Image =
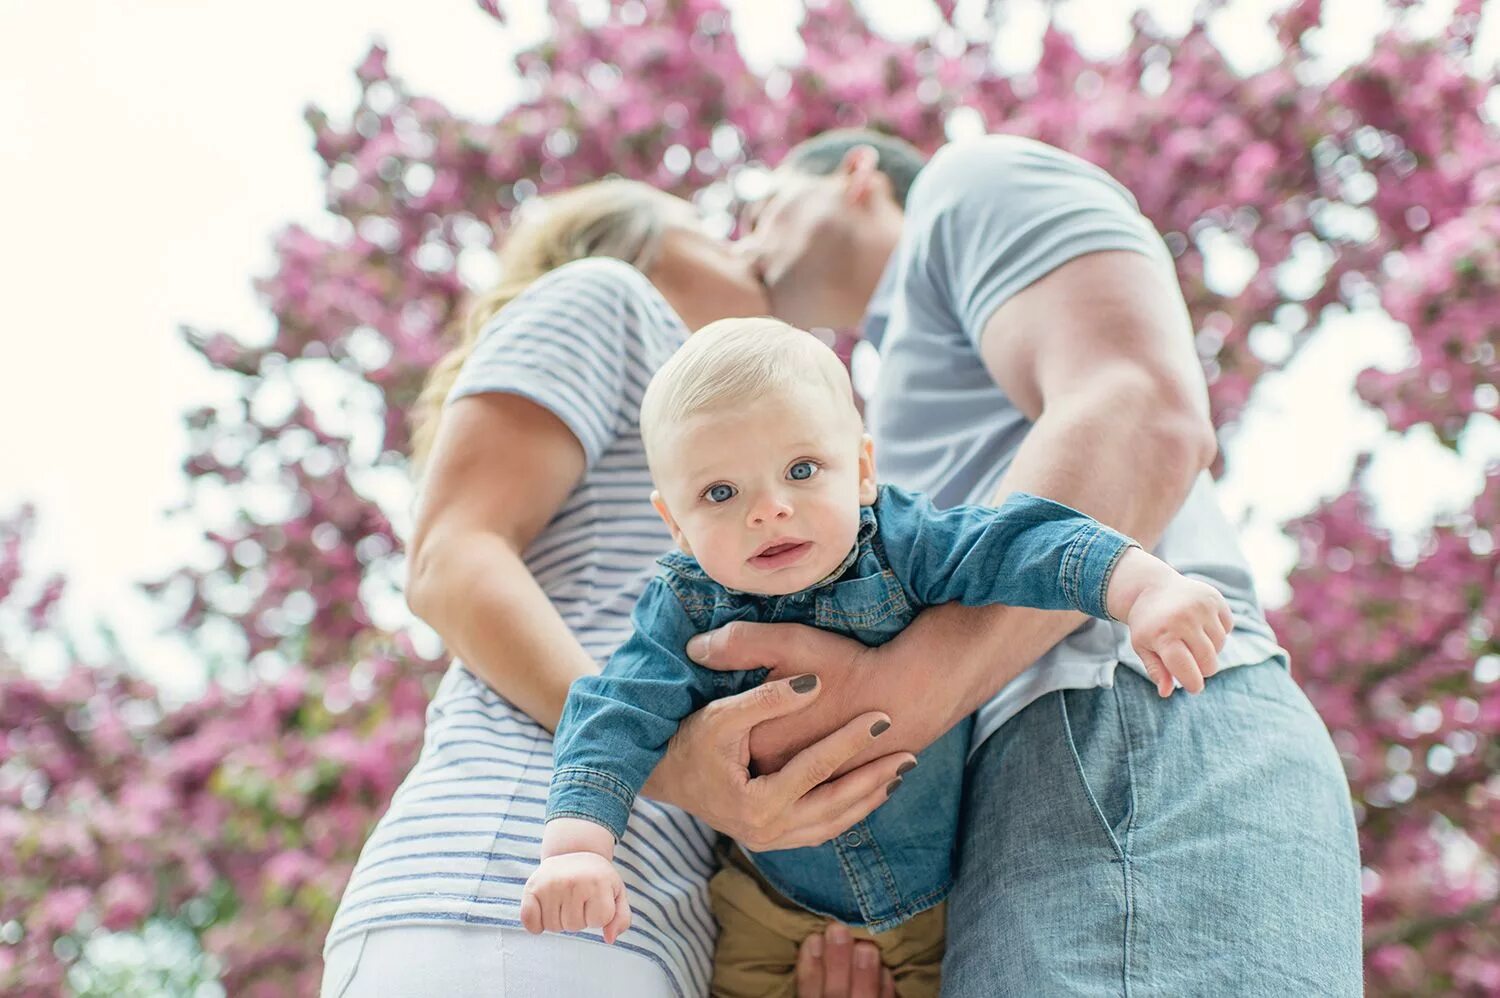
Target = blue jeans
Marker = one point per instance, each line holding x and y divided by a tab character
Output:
1118	844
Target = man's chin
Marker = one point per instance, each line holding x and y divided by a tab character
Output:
793	306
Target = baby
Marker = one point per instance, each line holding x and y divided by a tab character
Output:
766	479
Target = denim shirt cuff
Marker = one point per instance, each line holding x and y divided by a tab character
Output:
1088	565
590	794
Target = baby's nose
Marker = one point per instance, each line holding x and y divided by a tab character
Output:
770	508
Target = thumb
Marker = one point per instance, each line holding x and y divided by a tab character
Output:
743	644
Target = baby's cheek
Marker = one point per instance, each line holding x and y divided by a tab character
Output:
722	565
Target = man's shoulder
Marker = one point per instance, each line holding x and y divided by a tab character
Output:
987	165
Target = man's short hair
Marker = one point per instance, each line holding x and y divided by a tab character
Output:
898	159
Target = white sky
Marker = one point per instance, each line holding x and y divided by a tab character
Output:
149	150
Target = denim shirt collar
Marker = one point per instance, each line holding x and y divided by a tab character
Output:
687	567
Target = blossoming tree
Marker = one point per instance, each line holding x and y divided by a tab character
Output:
234	820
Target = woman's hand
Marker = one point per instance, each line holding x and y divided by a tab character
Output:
856	681
706	771
830	964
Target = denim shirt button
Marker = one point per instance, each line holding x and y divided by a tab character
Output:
852	839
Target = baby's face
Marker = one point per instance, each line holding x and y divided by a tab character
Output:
766	494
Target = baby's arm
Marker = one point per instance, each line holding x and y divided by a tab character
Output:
1034	552
614	730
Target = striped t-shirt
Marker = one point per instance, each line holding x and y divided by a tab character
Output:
464	830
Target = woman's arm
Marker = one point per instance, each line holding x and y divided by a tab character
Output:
500	469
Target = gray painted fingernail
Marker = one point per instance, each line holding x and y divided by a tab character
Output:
890	787
906	767
879	726
804	684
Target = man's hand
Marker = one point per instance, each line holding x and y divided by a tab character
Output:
858	682
706	769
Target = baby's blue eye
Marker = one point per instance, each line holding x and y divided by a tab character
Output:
719	493
802	471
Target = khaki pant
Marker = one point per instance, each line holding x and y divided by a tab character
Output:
760	932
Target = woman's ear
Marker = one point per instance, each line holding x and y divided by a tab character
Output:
868	487
666	516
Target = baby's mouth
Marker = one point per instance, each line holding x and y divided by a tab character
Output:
779	554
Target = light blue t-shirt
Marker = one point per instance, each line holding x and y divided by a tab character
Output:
986	218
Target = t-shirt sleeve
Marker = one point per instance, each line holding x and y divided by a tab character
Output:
564	344
998	213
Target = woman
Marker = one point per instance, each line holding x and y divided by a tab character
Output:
534	536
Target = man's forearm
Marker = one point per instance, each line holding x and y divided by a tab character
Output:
1111	458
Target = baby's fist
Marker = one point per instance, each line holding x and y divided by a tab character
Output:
1178	626
575	891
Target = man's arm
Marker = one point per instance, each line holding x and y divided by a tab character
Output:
1098	354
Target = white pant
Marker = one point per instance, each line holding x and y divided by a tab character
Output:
418	961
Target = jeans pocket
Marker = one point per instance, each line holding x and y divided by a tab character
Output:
1101	757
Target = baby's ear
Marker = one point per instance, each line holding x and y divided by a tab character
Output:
666	516
869	488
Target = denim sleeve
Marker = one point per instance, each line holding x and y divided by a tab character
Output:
1030	552
615	725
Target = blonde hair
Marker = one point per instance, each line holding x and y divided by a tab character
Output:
737	360
623	219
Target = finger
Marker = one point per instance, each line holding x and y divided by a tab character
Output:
531	913
825	803
1226	617
1204	655
1179	662
733	716
1217	634
864	982
817	834
598	910
821	760
887	984
621	920
572	910
810	967
1157	670
838	961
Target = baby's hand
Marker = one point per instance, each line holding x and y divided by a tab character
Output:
575	891
1177	625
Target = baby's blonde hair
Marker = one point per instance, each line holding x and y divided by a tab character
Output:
737	360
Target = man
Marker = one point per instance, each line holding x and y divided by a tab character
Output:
1033	338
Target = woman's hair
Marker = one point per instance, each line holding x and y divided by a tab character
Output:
623	219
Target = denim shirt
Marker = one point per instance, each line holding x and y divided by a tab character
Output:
900	859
